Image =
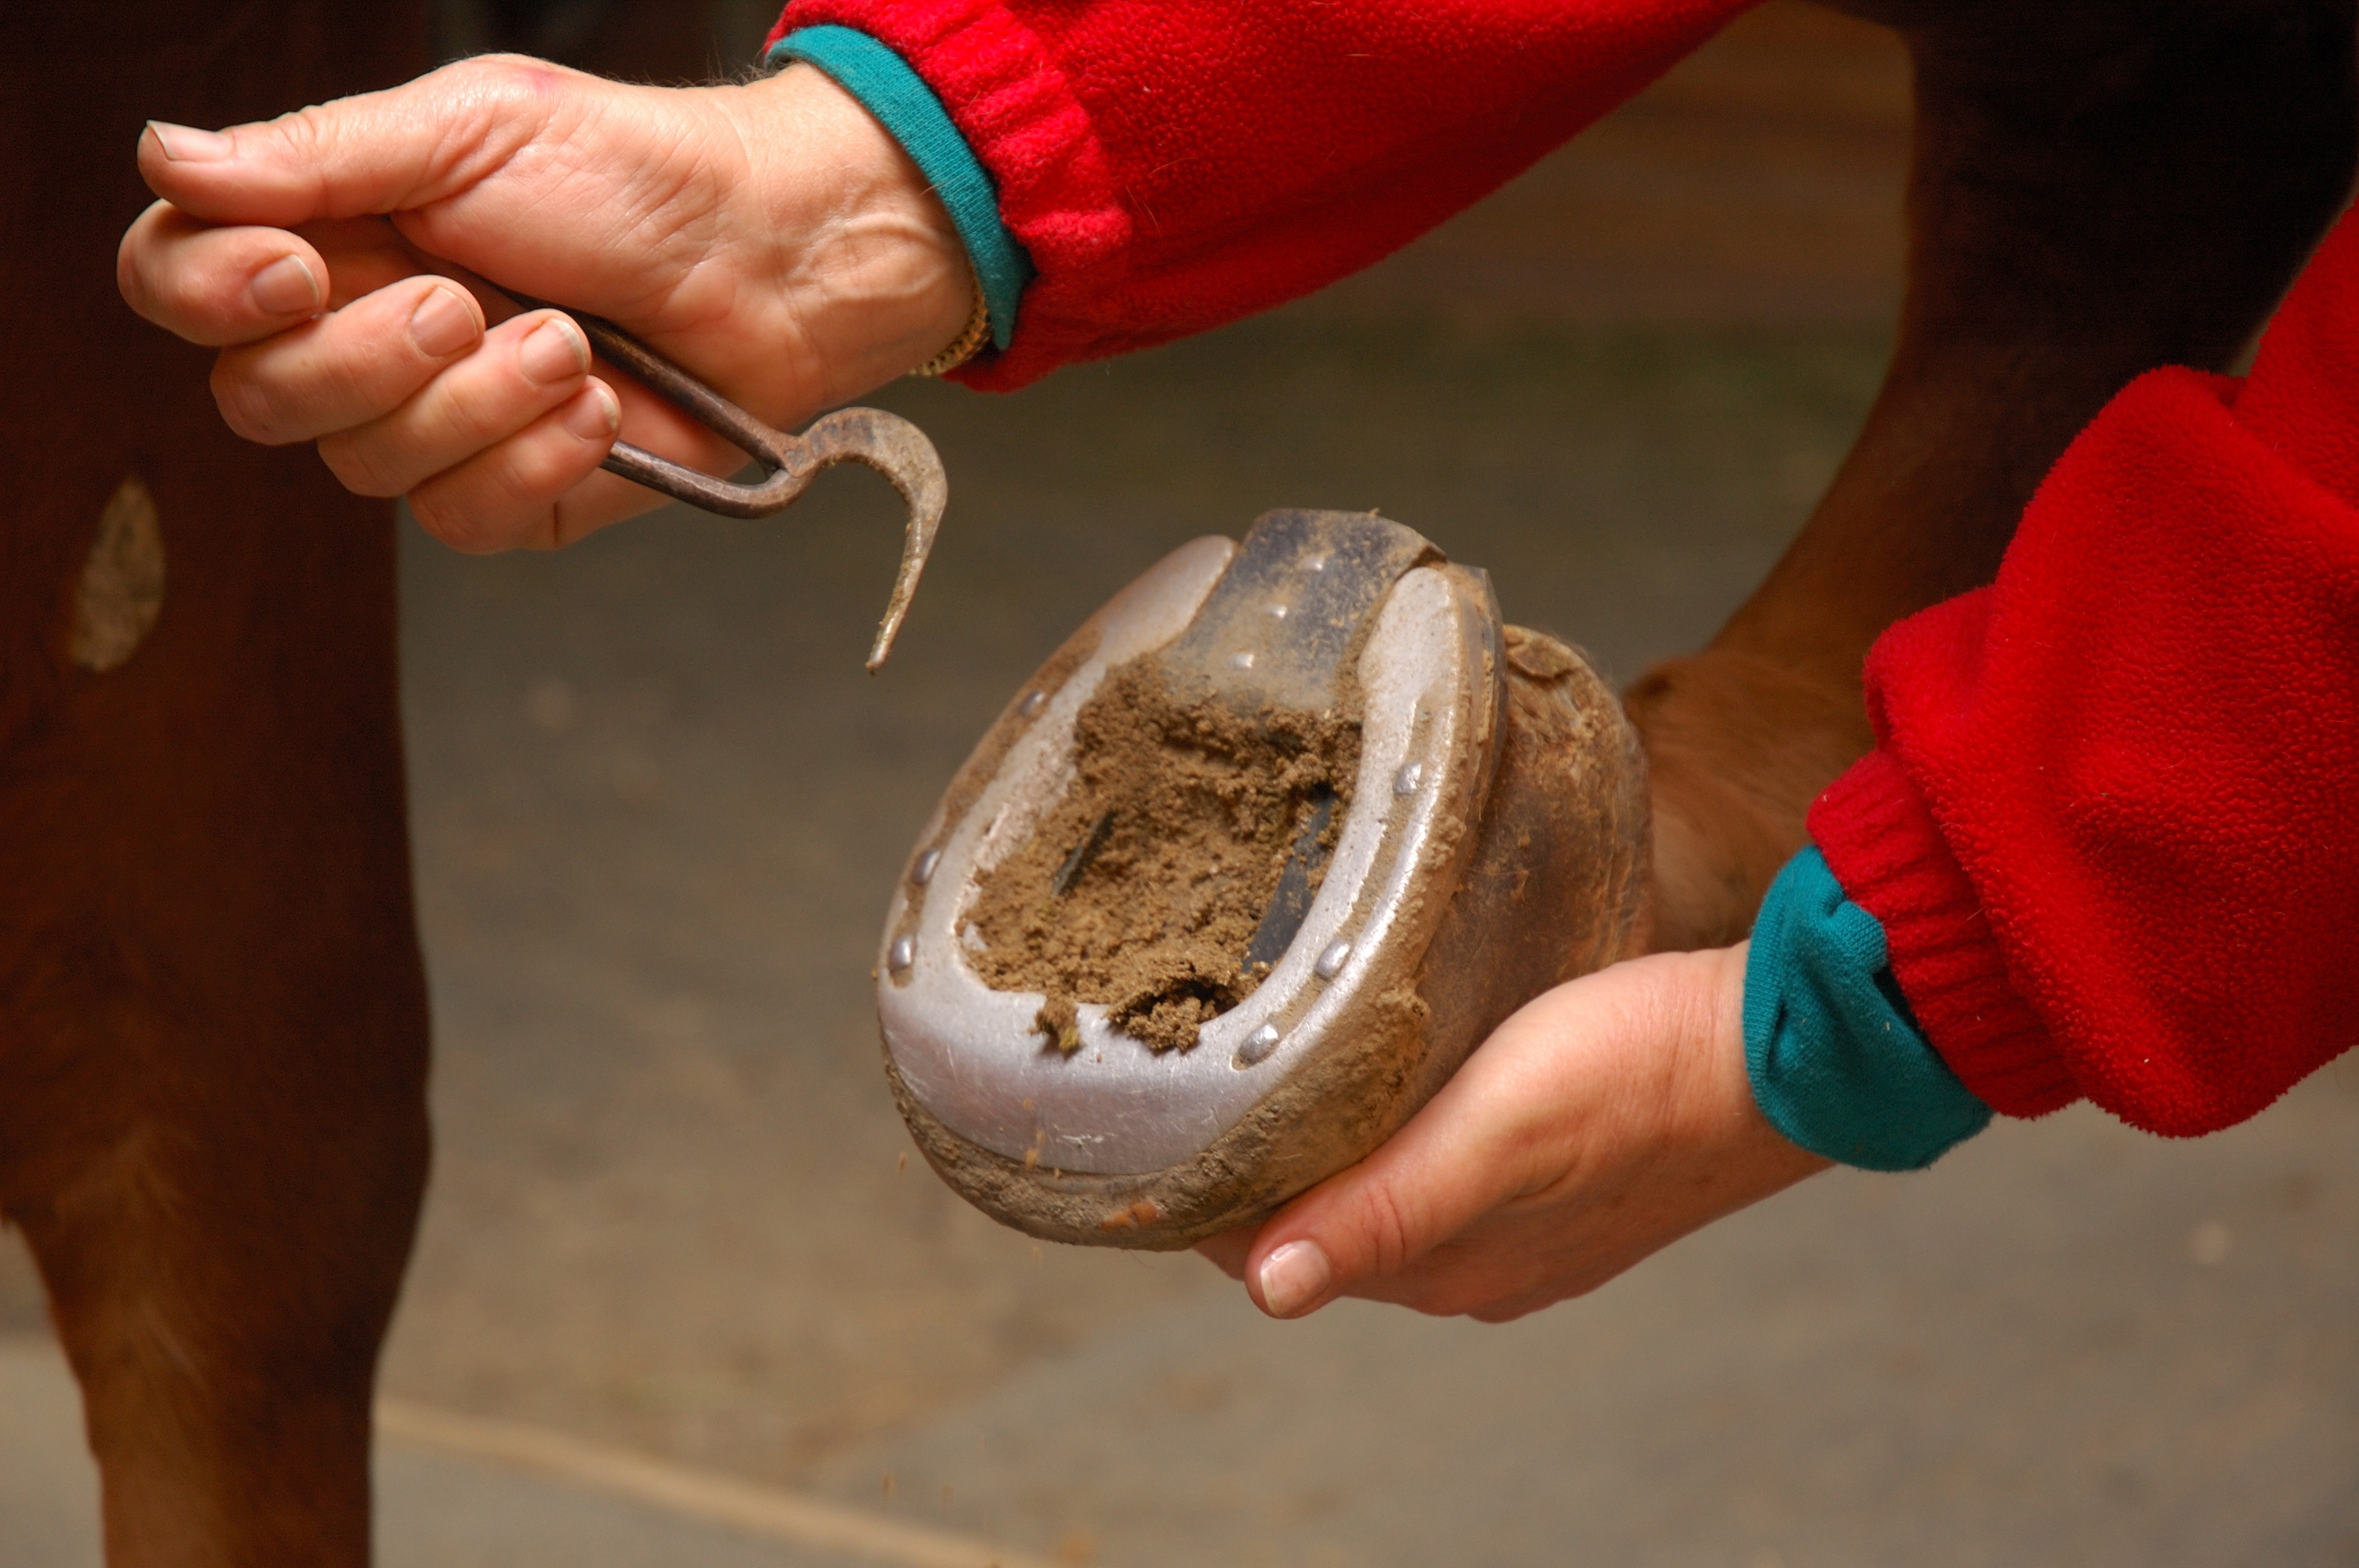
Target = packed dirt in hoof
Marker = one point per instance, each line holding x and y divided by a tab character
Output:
1142	888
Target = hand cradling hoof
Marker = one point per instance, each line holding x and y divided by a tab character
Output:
1240	876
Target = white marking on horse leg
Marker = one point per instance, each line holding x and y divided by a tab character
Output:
122	588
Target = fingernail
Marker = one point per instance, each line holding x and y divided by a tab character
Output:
594	415
186	144
1293	1277
442	325
285	288
556	351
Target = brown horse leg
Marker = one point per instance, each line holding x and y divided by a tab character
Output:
220	1282
222	1307
212	1028
212	1032
2096	189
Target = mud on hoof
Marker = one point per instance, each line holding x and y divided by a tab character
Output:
1455	821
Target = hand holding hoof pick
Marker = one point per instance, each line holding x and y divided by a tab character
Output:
770	236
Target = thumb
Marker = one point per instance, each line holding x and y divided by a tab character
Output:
374	154
1447	1167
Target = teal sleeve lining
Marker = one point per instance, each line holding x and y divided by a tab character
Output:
909	109
1837	1061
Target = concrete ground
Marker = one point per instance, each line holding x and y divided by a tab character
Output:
675	1223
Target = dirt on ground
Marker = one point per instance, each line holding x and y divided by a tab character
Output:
1142	888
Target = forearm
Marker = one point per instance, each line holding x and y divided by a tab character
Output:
2107	833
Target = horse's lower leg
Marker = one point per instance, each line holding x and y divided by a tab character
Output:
212	1022
213	1048
212	1060
223	1326
2096	189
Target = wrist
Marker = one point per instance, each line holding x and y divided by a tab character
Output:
862	268
1718	1036
1718	1109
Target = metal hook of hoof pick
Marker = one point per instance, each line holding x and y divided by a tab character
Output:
885	442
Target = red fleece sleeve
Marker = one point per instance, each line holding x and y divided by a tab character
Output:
1172	165
2111	826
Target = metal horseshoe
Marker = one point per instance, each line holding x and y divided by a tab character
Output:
885	442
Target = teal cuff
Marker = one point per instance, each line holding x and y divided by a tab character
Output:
1837	1061
908	108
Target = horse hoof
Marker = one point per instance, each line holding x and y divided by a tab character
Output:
1241	876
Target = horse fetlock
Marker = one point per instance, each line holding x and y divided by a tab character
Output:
1738	747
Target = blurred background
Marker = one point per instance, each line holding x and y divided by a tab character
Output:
659	807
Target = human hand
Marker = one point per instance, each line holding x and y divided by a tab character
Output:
771	238
1604	1120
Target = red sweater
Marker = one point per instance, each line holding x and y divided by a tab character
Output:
2112	826
1172	165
